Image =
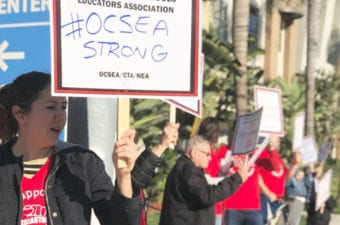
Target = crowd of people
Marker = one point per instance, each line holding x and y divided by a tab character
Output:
275	191
47	181
272	190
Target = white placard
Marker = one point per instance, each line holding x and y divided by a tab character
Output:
309	150
132	48
246	133
272	116
299	126
324	189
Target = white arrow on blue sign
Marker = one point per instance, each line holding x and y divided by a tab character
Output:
8	55
24	38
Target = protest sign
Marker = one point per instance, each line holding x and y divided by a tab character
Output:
324	151
246	133
131	48
308	150
272	116
323	189
299	126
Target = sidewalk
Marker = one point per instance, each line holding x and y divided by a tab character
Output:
335	219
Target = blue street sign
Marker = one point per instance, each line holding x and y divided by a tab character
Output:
24	38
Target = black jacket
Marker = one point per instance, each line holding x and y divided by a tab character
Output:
189	199
144	168
77	182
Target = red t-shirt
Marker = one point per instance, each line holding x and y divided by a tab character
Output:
143	219
247	196
213	170
273	171
33	194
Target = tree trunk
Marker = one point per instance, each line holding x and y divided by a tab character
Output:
240	41
313	30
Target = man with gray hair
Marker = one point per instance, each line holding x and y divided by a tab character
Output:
188	198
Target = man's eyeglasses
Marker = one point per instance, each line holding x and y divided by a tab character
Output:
207	154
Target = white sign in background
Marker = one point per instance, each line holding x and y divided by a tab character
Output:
309	150
299	126
324	189
272	116
126	48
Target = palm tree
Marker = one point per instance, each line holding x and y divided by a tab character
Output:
314	13
240	41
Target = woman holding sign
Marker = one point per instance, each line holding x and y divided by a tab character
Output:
46	181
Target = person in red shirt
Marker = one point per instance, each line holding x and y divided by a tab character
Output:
273	174
243	207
